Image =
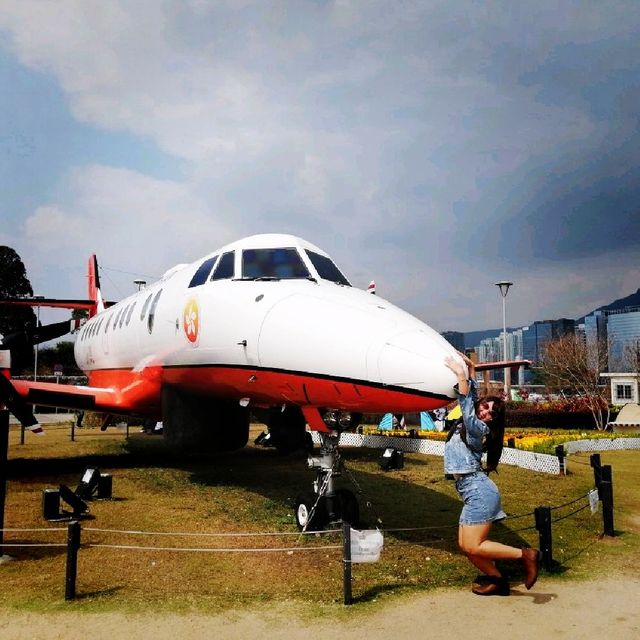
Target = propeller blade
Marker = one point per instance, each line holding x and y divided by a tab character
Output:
35	335
18	407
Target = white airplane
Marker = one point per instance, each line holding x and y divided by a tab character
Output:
267	324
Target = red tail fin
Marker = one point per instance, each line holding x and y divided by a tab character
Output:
94	286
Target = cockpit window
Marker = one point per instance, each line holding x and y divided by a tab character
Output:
202	274
224	269
326	269
273	263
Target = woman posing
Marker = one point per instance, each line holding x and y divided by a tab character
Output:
481	429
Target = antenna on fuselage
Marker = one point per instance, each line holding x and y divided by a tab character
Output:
141	284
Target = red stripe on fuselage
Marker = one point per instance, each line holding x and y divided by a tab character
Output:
140	391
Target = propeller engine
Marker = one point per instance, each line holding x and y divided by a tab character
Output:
29	336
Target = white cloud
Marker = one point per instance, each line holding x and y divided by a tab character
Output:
391	135
132	222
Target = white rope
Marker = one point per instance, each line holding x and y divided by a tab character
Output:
122	546
39	530
212	535
32	544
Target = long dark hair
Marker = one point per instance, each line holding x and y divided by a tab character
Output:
494	441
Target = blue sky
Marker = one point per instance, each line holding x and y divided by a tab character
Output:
436	147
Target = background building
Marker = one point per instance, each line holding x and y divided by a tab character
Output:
456	338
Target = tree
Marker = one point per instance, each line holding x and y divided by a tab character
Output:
13	283
60	353
572	368
631	356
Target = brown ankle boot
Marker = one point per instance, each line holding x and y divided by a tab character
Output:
531	564
491	586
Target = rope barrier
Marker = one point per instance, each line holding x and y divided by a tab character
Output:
566	504
209	550
212	535
34	530
33	544
571	514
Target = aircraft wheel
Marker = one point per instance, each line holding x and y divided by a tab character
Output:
304	506
349	507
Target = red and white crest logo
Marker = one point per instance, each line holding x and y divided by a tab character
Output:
191	321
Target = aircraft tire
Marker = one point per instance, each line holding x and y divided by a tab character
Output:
303	511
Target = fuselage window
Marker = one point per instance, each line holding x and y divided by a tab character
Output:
273	263
202	274
224	269
122	317
145	306
131	308
152	311
117	318
326	269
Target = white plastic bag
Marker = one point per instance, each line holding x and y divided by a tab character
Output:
366	545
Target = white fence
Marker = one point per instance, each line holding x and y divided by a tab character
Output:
543	462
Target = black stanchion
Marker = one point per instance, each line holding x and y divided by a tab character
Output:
73	431
543	526
511	443
73	544
561	457
605	492
346	562
4	449
597	466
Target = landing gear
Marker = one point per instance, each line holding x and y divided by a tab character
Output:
326	505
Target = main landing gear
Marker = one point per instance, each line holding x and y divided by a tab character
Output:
326	505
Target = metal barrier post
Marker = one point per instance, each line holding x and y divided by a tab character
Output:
543	525
73	544
4	449
73	431
346	562
605	492
561	456
595	463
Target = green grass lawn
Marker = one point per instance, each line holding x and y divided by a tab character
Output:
252	491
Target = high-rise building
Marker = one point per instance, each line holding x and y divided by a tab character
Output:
535	336
623	335
455	338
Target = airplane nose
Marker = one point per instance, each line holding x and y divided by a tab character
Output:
415	359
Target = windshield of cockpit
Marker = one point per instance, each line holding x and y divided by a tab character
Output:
286	263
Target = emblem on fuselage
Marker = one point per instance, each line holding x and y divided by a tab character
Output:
191	321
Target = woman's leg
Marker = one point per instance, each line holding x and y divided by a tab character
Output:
472	539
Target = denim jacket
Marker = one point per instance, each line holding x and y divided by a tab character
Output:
458	456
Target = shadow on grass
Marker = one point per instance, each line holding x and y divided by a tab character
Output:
408	510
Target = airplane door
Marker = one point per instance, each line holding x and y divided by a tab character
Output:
221	322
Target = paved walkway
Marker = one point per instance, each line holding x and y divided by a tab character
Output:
554	609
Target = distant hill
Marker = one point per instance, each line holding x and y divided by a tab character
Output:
473	338
632	300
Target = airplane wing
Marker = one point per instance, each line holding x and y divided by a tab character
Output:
58	303
68	396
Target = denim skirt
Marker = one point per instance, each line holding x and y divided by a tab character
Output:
481	499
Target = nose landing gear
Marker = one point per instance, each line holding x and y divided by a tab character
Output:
326	505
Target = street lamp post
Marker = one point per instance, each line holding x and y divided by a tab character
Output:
35	358
504	285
